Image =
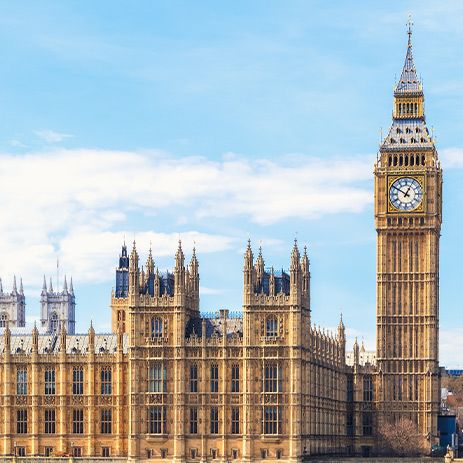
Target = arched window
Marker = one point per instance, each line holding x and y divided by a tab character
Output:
156	327
54	322
3	320
271	328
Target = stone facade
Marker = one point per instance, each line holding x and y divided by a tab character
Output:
408	216
13	306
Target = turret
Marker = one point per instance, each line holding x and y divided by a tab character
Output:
134	284
150	263
91	338
179	271
356	356
260	266
194	277
341	338
35	339
248	270
305	268
295	274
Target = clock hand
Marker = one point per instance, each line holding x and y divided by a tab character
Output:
398	189
408	191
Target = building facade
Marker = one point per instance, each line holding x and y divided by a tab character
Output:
170	383
13	306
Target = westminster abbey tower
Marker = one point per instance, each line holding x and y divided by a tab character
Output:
408	215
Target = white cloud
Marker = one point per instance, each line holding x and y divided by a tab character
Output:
449	353
79	203
50	136
451	158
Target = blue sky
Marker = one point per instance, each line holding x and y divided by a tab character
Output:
215	122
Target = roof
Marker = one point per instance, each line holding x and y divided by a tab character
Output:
75	343
408	133
408	82
215	326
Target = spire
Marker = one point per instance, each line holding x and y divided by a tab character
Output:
194	263
71	287
409	81
248	256
305	261
44	286
51	286
260	262
15	290
65	285
179	257
150	262
295	256
21	287
1	286
341	330
134	256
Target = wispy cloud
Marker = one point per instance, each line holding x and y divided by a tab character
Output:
79	203
452	158
51	136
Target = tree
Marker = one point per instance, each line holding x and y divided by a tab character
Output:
402	439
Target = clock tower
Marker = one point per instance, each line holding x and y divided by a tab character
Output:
408	216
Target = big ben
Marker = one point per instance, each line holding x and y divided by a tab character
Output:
408	216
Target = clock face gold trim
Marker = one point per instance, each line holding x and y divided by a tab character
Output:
406	193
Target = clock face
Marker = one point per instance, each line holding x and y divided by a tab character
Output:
406	193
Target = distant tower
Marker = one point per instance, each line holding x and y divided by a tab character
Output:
122	274
12	306
58	307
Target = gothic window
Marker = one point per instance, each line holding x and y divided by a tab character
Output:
350	424
272	420
214	420
21	381
106	421
21	421
106	381
50	383
367	424
156	327
78	421
77	380
194	378
3	320
235	378
367	389
214	378
193	420
50	421
272	377
157	378
54	322
271	328
235	420
157	419
350	389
